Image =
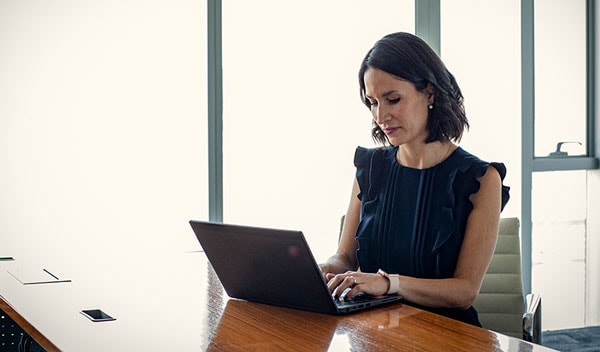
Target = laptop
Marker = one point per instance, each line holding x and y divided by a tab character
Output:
273	266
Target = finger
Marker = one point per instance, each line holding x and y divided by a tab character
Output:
356	288
339	283
333	283
355	291
347	284
350	292
349	281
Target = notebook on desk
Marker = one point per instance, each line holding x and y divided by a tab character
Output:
274	267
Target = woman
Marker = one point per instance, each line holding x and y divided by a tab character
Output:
423	217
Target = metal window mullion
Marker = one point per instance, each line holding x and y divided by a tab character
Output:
427	22
591	78
527	136
215	111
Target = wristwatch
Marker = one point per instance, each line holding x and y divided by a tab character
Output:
393	279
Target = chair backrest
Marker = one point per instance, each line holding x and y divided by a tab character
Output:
501	302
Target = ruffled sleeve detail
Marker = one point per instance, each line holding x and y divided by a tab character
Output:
470	168
362	160
370	169
482	169
505	189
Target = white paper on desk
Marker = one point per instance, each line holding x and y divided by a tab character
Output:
32	276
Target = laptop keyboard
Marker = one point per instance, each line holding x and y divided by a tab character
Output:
361	297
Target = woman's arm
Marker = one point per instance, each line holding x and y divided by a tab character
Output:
475	255
345	257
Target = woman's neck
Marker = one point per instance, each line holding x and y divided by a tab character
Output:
424	156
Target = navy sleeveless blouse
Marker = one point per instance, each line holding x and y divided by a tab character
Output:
412	221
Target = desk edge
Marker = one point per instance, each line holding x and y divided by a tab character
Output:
27	327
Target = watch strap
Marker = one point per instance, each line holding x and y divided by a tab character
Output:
393	280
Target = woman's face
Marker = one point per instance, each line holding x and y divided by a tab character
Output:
397	107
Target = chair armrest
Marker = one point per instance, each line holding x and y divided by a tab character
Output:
532	319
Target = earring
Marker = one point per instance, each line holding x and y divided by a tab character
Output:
430	106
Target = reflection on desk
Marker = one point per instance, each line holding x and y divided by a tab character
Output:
177	304
257	327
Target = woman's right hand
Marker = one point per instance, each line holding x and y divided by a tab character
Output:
324	269
351	283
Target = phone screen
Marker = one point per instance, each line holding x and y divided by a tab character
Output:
96	315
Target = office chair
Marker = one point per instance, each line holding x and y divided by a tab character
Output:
501	305
500	301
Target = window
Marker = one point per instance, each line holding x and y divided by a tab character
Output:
560	78
483	52
563	41
292	116
102	106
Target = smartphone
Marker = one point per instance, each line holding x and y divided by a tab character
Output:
97	315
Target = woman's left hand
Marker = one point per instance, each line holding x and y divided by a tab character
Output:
357	282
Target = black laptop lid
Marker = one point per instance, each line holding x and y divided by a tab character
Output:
265	265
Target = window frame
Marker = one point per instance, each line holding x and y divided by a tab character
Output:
549	163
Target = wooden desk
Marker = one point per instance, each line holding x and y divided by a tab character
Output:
177	304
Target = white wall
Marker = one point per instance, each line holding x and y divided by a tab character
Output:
592	292
102	127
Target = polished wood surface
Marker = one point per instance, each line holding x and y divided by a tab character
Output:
249	326
177	304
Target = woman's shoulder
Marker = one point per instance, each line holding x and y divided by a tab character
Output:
476	168
360	150
364	156
465	160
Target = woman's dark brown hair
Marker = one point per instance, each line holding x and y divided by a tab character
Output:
408	57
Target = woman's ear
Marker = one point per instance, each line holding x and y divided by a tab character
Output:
430	93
